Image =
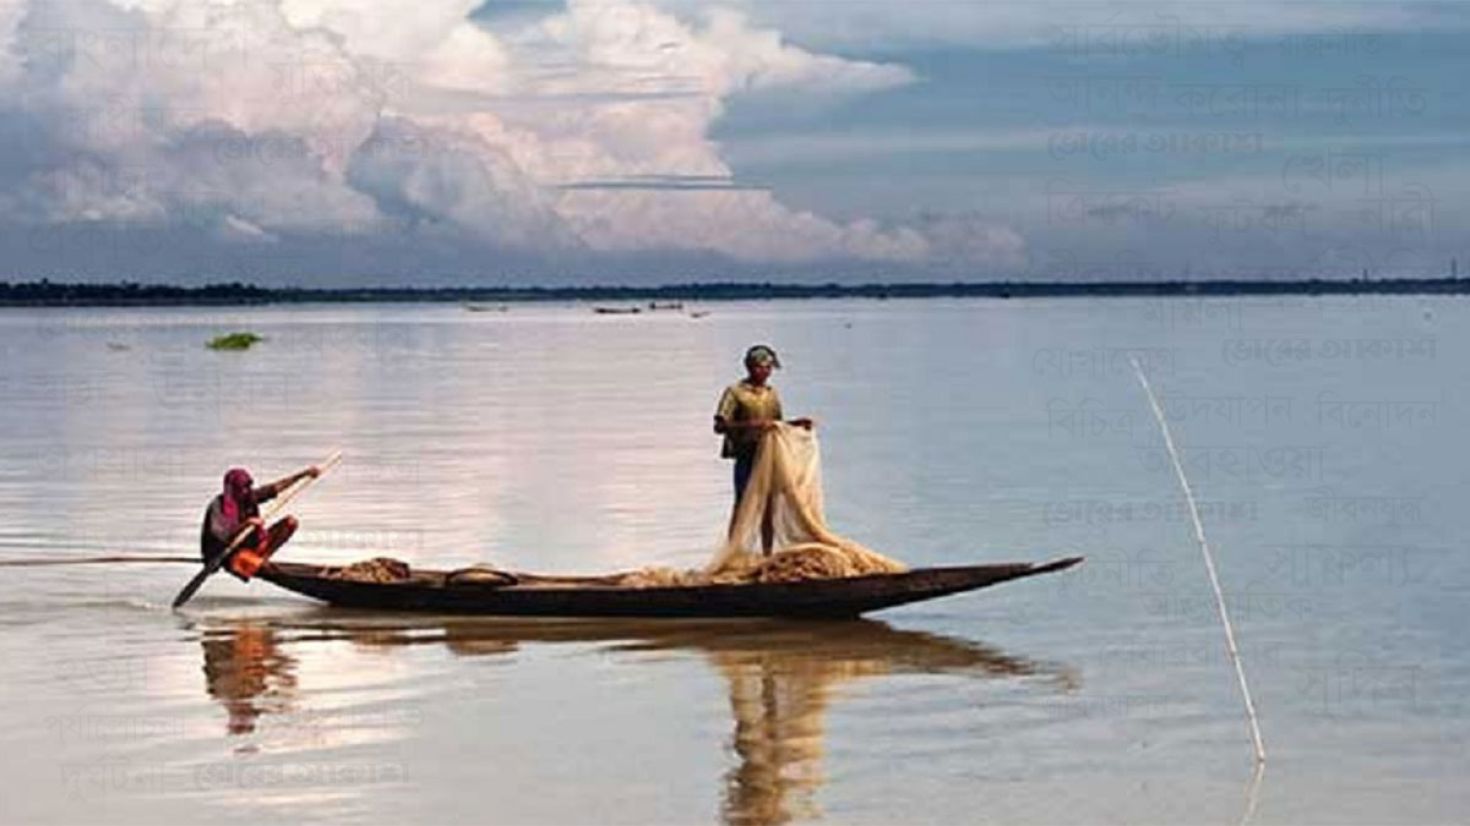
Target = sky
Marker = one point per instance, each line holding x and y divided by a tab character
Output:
434	142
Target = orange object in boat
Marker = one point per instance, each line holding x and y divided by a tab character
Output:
246	562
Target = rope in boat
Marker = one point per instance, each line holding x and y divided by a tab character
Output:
1204	546
93	560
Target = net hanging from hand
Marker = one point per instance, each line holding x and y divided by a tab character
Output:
785	489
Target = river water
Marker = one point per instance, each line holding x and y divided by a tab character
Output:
1323	438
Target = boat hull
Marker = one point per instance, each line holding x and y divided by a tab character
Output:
438	592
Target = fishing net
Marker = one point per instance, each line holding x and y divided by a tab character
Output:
377	569
784	500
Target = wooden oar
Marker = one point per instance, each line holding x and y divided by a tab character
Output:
280	502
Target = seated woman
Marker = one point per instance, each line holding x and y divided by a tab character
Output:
237	508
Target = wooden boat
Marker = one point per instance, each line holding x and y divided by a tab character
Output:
474	591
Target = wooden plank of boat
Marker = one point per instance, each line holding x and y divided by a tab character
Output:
531	595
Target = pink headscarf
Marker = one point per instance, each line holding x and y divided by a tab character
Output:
237	494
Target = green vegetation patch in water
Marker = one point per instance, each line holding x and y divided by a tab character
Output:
234	341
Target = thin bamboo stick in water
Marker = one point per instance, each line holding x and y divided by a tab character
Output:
1204	546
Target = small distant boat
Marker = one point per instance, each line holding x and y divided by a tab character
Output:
617	310
665	305
483	308
698	313
497	593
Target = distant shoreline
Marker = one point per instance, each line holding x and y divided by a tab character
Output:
51	294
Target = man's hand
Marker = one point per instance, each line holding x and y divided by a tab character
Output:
313	471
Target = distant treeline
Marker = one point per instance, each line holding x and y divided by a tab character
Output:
47	293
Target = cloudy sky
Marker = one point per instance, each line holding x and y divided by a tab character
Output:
332	142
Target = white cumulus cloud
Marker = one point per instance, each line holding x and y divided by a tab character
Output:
260	121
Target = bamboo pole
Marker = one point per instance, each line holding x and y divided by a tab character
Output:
93	560
1204	546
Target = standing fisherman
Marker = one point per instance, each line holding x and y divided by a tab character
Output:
746	410
238	506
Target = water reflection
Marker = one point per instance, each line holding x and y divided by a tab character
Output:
780	683
780	677
245	670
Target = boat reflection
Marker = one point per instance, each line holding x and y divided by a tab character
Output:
780	676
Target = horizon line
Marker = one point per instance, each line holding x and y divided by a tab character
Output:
47	292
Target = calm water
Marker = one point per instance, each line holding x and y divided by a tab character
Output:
1323	437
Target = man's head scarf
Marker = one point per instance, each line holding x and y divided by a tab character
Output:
762	354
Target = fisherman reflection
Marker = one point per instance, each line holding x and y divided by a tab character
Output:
781	682
246	672
779	710
780	676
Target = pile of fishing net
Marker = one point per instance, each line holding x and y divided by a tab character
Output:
785	492
377	569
